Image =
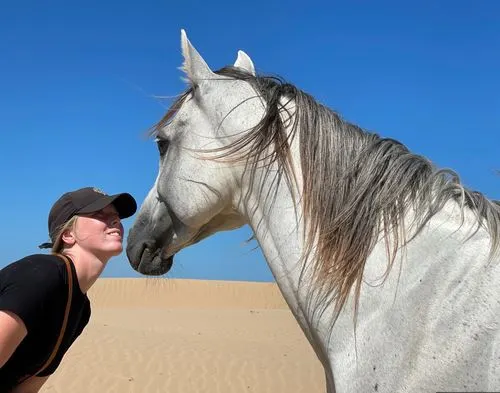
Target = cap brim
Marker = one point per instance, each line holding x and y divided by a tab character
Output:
124	204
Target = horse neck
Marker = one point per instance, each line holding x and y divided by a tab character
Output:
274	213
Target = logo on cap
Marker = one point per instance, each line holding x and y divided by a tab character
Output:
95	189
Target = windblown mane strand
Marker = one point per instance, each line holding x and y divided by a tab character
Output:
355	184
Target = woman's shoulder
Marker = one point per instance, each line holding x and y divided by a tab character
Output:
31	288
43	269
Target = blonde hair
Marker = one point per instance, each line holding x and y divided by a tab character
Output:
58	242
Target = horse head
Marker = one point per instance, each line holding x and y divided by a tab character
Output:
195	194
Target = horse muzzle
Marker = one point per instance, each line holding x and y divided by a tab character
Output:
148	259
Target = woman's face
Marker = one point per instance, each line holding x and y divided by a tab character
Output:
100	232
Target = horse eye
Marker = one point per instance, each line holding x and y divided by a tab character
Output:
162	146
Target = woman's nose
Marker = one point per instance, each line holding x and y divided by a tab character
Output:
114	221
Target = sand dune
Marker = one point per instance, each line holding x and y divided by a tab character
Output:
163	335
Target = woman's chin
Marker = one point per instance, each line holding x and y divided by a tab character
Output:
118	251
114	251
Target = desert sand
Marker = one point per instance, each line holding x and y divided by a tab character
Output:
171	335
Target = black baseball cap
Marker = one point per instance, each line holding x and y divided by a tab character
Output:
84	201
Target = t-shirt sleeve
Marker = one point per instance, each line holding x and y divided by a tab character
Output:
28	287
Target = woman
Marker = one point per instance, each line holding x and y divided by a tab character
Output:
43	298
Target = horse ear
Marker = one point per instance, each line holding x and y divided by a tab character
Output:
244	61
194	66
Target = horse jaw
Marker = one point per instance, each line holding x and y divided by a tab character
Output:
194	65
158	234
244	62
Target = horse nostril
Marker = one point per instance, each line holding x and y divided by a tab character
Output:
149	245
136	252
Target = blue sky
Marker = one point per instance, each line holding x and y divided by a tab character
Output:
78	81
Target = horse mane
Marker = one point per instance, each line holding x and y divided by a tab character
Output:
356	184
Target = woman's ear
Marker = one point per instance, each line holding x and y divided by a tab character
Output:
68	237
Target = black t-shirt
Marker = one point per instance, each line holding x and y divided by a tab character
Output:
36	289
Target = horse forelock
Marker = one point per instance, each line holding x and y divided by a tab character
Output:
171	112
355	184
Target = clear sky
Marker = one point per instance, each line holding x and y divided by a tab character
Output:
78	83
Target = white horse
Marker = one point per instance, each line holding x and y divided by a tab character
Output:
390	266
